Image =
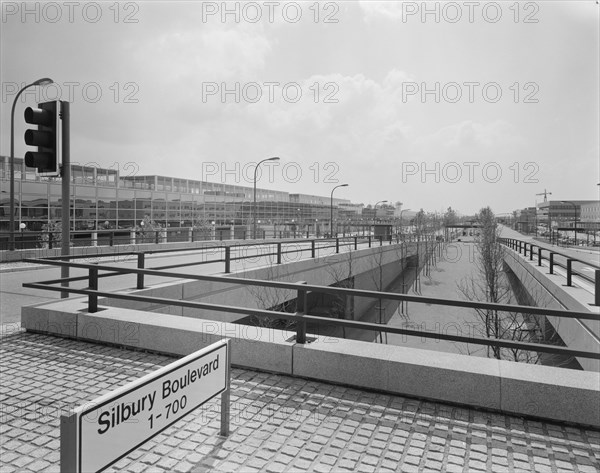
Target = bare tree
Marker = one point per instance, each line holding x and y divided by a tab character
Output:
272	298
489	283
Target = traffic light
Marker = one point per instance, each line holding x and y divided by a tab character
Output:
46	138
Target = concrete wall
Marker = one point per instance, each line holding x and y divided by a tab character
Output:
544	392
549	290
322	271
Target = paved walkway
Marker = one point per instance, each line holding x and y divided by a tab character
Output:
278	423
455	264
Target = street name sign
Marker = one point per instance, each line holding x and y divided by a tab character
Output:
105	430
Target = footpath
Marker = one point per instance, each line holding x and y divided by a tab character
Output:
278	423
454	267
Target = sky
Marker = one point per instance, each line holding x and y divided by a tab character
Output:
432	104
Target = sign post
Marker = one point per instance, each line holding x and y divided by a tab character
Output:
102	432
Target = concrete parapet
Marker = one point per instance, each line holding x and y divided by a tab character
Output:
550	290
545	392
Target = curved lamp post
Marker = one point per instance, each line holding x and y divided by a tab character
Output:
574	217
331	208
44	81
254	206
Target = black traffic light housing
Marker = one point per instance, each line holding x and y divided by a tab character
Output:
46	138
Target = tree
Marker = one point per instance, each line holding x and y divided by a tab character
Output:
489	283
450	217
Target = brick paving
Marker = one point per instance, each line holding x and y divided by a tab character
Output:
278	423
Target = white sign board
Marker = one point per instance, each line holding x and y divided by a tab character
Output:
117	423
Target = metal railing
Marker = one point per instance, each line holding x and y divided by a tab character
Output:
227	254
29	240
538	253
301	316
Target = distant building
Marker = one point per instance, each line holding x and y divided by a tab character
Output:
589	216
103	198
526	221
557	213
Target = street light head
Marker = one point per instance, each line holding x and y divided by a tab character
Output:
273	159
44	81
344	185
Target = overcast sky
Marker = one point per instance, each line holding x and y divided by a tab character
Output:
463	104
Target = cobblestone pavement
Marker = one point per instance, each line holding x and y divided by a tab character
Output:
278	423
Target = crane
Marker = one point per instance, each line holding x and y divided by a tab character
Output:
545	194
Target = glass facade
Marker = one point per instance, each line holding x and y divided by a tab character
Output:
101	199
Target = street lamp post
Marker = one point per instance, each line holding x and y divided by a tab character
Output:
574	217
44	81
254	206
331	208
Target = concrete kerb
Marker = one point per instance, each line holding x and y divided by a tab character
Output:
555	394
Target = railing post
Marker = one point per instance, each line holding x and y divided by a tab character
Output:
569	271
301	303
156	233
540	256
337	245
551	262
279	253
531	252
312	248
227	259
597	288
93	285
111	239
140	265
525	249
356	243
380	240
369	241
49	240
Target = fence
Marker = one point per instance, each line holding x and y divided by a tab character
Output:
302	316
554	258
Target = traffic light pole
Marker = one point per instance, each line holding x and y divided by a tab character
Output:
66	190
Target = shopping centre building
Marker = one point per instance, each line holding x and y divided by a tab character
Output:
104	199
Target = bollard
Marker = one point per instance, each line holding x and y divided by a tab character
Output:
227	259
369	241
380	240
300	311
312	249
140	265
93	285
551	262
540	256
278	253
337	245
356	243
569	271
